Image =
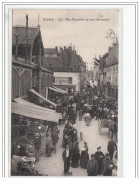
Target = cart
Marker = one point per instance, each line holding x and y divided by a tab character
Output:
103	125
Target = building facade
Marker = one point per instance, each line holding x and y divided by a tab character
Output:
68	67
68	81
27	70
108	71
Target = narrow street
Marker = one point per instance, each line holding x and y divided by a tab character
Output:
53	166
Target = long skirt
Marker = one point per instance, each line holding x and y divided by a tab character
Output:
80	115
84	160
88	120
48	151
75	160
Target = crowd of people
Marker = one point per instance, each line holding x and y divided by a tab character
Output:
89	105
99	164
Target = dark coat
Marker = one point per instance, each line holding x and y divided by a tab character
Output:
64	155
55	138
111	146
92	167
106	170
22	151
99	156
37	143
75	157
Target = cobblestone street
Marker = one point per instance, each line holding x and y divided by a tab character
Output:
53	166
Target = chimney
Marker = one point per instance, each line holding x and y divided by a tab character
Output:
70	48
56	48
73	48
26	37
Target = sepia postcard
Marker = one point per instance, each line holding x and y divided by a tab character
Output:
64	92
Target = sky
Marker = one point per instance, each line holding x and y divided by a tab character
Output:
86	30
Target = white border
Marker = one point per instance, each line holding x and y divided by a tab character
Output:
128	82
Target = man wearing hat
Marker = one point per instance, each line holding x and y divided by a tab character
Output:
99	156
107	166
67	159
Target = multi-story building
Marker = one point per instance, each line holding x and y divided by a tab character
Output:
96	71
27	70
69	68
109	72
29	84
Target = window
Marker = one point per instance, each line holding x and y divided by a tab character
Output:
54	55
70	80
53	79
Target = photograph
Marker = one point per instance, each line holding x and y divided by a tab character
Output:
64	92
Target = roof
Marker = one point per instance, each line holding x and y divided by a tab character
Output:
21	61
50	51
21	31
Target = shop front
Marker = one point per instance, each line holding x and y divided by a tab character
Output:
29	120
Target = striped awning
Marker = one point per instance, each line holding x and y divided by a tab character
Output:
21	101
45	99
59	89
32	112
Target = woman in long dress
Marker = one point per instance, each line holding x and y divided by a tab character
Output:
84	156
88	119
48	146
75	156
80	114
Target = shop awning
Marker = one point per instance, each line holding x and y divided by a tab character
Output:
36	113
26	103
60	89
52	103
56	90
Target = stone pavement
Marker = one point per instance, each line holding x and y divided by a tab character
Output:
53	166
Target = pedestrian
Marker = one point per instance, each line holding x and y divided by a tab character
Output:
22	150
84	156
111	147
48	146
70	143
67	159
55	139
75	156
99	156
80	114
107	166
87	119
15	149
92	166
